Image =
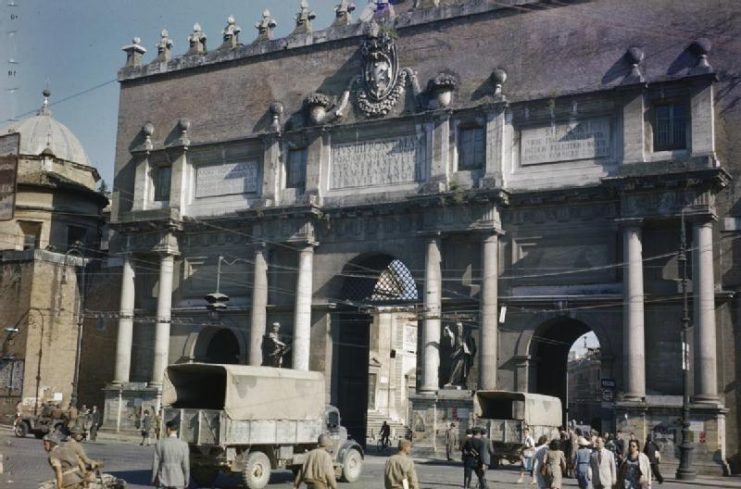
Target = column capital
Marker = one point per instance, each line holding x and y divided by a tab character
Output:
490	233
629	222
701	218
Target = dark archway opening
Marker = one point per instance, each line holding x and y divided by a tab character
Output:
368	282
223	347
549	350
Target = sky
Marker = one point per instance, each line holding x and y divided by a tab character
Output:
74	47
588	339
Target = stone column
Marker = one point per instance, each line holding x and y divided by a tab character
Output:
258	317
489	317
302	310
433	310
162	329
634	360
703	291
125	324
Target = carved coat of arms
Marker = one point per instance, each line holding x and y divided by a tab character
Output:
382	82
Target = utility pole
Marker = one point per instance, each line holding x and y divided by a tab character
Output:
685	470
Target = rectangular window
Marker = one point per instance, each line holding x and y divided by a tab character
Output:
471	148
75	235
31	234
162	183
296	169
670	127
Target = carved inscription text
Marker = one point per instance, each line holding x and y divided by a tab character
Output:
577	140
375	163
227	179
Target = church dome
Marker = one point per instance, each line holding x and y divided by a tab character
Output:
42	134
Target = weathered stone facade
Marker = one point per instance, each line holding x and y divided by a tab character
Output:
536	156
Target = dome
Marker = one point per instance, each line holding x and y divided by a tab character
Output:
42	134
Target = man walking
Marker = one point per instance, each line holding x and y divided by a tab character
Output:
399	472
481	445
94	423
653	452
146	429
171	465
470	459
318	472
451	441
602	463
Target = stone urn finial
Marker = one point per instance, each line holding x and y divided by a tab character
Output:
276	112
317	105
498	77
164	47
441	89
701	48
265	26
343	12
134	52
197	40
304	17
231	33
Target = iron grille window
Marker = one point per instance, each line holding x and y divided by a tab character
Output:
670	128
162	183
471	148
296	169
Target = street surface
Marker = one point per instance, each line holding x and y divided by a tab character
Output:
26	466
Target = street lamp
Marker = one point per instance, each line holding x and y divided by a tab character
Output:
38	365
216	300
685	470
76	248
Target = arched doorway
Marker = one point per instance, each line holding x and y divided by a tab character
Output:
217	345
549	351
373	285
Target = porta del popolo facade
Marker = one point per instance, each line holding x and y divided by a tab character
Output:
518	167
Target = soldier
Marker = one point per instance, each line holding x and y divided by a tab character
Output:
451	441
273	348
74	441
399	472
146	429
94	423
318	472
72	416
171	464
69	473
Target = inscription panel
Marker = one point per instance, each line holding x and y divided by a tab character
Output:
567	141
227	179
376	163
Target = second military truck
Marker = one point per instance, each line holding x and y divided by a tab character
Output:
251	420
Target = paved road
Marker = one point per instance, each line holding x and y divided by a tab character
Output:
26	466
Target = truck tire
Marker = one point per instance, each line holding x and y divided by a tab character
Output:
21	430
352	466
256	473
204	476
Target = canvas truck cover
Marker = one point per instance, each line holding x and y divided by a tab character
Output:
245	392
533	409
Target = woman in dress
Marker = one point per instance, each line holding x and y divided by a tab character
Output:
554	465
635	469
581	463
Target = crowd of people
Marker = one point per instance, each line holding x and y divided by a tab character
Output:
86	421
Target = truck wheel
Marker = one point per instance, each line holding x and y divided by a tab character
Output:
204	476
21	430
352	465
256	473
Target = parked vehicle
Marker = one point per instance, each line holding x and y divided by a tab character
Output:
252	420
506	414
37	426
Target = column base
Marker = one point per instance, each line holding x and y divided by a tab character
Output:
705	399
124	404
432	413
633	397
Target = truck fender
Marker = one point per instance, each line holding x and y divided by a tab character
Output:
346	447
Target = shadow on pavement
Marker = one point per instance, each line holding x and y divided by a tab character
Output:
139	477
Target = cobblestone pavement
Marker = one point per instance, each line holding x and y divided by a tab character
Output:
26	466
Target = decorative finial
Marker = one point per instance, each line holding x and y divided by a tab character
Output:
343	13
634	55
197	40
265	26
45	104
164	47
384	10
701	48
276	111
184	126
148	130
304	18
440	90
134	52
231	33
498	77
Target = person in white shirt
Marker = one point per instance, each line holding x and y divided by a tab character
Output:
538	459
602	467
528	452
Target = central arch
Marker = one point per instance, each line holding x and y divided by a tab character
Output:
371	285
216	344
549	351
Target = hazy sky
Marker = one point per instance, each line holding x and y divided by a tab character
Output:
75	45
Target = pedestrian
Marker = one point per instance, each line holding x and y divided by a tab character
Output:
526	457
74	441
635	469
171	464
541	448
489	445
317	472
146	429
451	441
571	454
619	447
554	465
581	462
94	423
399	472
69	473
481	446
157	422
385	433
72	417
470	458
602	463
653	452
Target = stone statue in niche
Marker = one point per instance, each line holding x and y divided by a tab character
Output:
461	349
273	348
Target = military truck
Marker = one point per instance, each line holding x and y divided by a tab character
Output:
251	420
506	414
